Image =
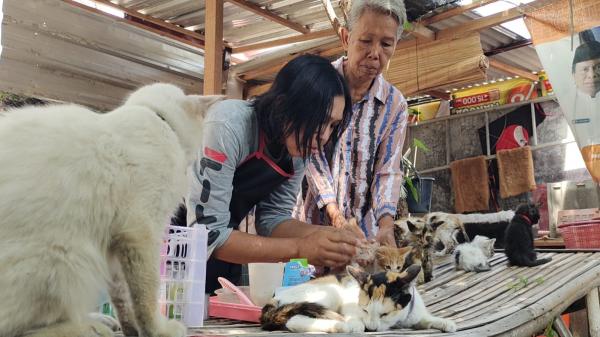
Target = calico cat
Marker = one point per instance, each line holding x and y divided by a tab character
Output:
446	229
391	259
474	255
352	303
519	238
85	200
415	233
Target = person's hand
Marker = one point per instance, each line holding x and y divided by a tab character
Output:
337	220
331	248
385	235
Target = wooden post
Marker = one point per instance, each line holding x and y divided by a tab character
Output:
593	310
213	57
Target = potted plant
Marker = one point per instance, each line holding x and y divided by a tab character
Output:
416	189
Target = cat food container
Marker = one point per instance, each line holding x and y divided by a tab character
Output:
183	274
264	279
237	311
581	234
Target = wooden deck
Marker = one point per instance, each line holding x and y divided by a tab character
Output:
506	301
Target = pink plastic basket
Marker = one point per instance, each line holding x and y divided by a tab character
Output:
581	234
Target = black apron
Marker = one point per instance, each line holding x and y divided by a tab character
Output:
254	179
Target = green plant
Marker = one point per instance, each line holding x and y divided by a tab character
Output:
522	282
410	170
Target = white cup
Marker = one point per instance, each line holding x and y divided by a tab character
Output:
264	279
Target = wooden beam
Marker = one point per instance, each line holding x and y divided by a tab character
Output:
421	32
438	94
335	22
275	65
508	47
257	90
249	6
454	12
152	20
213	58
480	24
293	39
507	68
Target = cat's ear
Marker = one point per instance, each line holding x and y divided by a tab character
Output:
492	242
435	225
358	274
197	105
411	226
411	273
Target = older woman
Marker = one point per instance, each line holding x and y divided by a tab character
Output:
360	176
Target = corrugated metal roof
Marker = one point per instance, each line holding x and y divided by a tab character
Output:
54	50
241	27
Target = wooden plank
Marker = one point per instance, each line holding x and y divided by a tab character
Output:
503	295
532	319
519	305
502	291
593	310
335	22
249	6
507	68
279	42
480	24
213	58
454	12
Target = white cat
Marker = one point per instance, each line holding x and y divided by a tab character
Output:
353	304
84	199
474	255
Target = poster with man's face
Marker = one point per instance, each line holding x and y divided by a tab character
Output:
586	68
573	67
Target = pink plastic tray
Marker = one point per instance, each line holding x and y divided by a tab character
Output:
240	312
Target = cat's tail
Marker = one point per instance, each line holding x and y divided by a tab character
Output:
274	317
540	261
526	262
457	258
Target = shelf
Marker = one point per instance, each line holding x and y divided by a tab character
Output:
477	112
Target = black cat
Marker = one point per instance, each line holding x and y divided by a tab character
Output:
518	239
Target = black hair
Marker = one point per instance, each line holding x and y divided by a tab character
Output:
586	51
300	101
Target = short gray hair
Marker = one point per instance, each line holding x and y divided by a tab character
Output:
393	8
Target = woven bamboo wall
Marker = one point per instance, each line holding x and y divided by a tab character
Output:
421	67
552	22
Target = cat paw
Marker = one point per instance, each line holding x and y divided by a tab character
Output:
445	325
171	328
111	322
355	326
99	329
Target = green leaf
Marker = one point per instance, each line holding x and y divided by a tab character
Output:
412	189
419	144
539	280
407	25
549	332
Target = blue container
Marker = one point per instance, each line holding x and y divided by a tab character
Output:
424	187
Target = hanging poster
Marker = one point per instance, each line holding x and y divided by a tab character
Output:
567	40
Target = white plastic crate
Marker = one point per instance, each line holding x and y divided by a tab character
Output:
183	274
